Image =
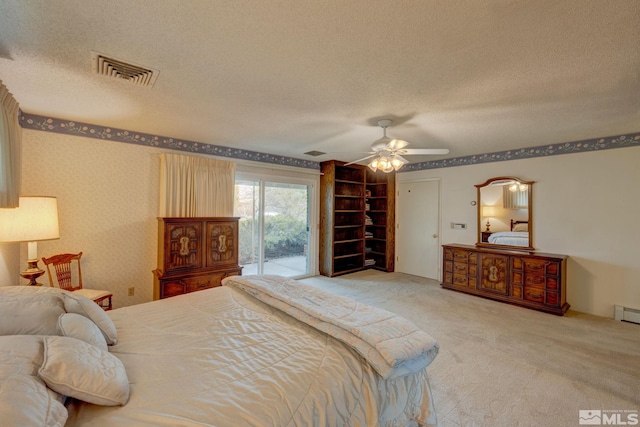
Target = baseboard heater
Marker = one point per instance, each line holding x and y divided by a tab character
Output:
627	314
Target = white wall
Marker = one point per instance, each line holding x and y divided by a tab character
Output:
585	205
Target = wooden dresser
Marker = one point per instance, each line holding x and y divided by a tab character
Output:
530	279
195	254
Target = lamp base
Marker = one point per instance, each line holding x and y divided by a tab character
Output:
32	272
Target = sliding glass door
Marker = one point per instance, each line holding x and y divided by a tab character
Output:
275	226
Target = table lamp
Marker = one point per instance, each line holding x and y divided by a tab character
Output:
488	212
35	219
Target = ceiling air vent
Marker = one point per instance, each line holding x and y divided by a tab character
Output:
119	69
314	153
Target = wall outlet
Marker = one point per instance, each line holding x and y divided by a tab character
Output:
131	291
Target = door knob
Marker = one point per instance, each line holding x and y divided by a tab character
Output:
435	235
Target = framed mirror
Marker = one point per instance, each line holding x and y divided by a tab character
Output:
505	213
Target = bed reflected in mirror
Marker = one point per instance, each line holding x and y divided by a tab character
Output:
505	213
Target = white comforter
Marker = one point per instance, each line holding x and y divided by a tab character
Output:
513	238
219	357
392	345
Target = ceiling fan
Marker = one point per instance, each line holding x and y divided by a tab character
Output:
386	153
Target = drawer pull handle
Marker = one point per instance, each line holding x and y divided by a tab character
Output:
534	295
534	281
459	280
535	266
461	267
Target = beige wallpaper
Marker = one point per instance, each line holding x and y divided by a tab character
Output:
108	203
584	206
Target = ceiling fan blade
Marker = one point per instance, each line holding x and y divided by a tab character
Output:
359	160
425	151
402	159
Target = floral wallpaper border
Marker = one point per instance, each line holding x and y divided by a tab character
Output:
596	144
69	127
49	124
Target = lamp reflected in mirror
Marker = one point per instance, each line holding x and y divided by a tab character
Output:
489	212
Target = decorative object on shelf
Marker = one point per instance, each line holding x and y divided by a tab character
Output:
36	219
386	153
529	279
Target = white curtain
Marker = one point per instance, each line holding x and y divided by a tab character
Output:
518	199
195	186
10	149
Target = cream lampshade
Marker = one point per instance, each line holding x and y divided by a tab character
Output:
35	219
489	212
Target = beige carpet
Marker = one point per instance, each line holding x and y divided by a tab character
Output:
501	365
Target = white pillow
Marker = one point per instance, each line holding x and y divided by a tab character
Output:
30	310
25	400
77	326
74	303
81	370
521	227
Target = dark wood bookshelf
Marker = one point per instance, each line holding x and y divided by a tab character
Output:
347	195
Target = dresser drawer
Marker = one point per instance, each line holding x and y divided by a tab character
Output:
465	257
534	294
185	285
464	280
532	265
516	291
551	298
535	281
448	266
460	268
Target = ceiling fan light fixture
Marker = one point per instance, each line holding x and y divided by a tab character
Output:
518	186
386	152
398	161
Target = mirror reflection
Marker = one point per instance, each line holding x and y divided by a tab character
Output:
505	213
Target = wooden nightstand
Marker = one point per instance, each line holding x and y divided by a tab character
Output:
485	236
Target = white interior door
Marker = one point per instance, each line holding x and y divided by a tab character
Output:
418	228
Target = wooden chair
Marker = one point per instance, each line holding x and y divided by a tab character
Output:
66	279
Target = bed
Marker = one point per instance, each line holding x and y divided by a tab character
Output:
241	355
518	236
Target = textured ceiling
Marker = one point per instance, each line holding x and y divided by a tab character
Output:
289	76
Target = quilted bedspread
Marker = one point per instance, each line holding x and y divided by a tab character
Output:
392	345
220	357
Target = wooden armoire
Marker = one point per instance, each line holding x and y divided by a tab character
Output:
195	254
